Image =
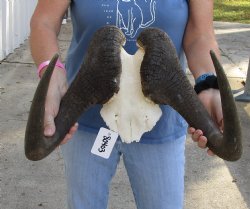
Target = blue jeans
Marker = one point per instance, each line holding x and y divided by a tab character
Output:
156	173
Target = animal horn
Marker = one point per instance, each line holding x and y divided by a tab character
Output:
96	82
164	82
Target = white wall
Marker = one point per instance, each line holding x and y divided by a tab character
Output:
14	23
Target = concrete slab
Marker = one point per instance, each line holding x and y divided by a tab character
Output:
210	182
233	39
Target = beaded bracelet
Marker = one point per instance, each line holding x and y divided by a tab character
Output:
210	81
59	64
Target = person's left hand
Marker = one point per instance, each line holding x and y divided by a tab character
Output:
212	102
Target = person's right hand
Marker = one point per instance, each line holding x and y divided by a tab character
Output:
57	88
212	102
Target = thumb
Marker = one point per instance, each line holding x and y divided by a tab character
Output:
57	89
49	125
221	125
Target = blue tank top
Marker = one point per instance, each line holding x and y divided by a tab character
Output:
131	16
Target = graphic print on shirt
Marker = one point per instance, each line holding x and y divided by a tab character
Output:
130	15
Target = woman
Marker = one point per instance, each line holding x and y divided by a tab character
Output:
155	166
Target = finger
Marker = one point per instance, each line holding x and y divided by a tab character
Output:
66	139
191	130
73	129
210	153
196	135
202	142
49	125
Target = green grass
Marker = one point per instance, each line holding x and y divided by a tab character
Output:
232	11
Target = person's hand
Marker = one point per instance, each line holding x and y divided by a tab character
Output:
212	102
57	88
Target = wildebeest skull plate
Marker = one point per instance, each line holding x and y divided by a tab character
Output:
129	112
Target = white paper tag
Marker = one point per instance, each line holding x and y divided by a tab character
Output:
104	143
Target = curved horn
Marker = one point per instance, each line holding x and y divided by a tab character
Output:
96	82
164	82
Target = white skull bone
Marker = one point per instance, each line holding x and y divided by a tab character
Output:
129	112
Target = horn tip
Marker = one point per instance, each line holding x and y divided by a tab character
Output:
213	55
